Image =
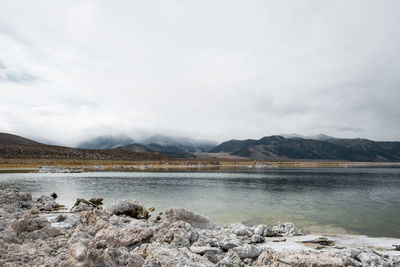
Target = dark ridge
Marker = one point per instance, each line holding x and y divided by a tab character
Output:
11	139
280	148
135	148
13	147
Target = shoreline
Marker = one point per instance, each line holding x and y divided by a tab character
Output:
34	231
54	166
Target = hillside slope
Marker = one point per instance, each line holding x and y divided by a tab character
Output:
280	148
13	147
12	139
135	148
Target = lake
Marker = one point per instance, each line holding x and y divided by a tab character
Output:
361	201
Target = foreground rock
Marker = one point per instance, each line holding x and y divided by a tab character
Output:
129	208
34	233
194	219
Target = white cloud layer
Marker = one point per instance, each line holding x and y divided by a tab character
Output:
204	69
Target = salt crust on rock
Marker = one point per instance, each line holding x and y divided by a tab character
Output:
194	219
130	208
31	236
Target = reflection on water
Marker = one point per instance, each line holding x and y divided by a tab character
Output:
365	201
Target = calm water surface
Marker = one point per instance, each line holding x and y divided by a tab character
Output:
364	201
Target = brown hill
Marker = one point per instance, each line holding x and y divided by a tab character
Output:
17	147
11	139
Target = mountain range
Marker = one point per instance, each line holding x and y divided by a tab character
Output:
298	148
270	148
17	147
106	141
175	147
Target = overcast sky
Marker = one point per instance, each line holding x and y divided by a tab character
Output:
204	69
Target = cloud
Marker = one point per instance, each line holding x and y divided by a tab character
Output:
12	75
350	129
213	70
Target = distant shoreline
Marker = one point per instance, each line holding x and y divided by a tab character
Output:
58	165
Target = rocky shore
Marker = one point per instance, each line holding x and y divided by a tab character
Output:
37	232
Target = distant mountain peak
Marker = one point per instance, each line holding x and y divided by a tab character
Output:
106	141
312	137
321	137
170	140
156	143
293	135
169	144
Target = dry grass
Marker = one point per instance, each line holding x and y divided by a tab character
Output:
179	164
